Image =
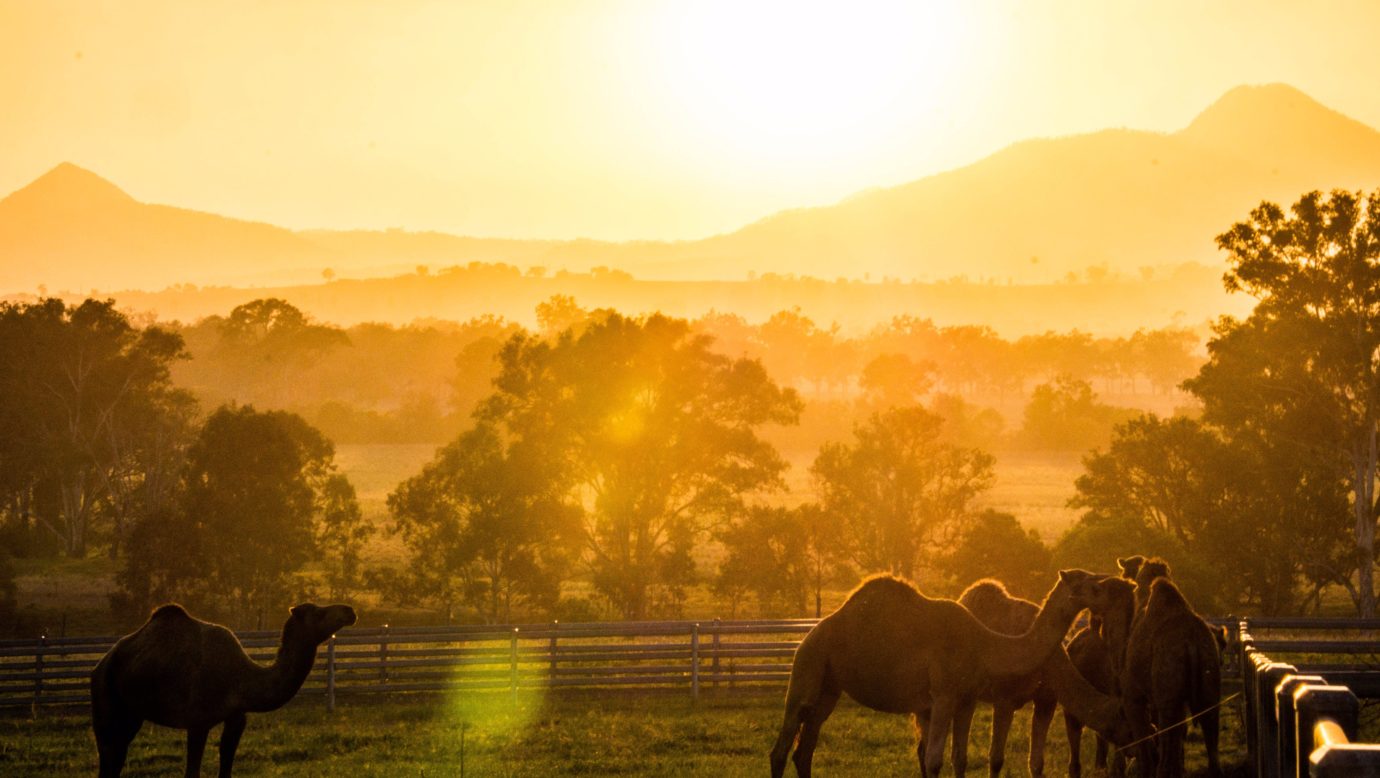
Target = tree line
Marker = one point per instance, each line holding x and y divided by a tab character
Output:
617	449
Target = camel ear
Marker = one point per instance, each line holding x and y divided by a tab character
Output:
1064	577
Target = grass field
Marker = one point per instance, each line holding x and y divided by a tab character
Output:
625	735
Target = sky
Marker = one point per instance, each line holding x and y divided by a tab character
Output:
612	119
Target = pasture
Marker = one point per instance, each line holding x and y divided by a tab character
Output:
560	734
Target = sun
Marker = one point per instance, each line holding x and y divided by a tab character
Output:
784	81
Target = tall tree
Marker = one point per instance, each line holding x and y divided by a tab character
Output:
487	525
898	488
84	389
656	434
1304	368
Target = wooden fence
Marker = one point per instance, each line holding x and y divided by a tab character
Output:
1302	715
680	656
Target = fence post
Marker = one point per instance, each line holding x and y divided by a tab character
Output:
1287	754
551	673
383	657
512	654
38	668
1339	707
695	661
1267	677
330	675
717	625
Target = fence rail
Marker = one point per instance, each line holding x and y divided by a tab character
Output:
664	655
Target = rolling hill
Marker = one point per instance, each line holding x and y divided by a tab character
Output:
1030	213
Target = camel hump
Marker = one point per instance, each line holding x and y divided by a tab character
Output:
170	611
1163	593
885	585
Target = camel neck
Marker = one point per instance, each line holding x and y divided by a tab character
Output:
1080	698
1022	654
273	686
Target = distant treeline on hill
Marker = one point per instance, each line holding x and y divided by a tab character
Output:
380	383
1098	300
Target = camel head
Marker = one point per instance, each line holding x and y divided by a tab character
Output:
1130	566
1076	590
1115	600
317	623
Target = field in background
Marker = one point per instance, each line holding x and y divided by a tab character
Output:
73	595
564	735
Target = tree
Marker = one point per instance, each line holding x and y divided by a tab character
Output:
340	536
895	380
1303	370
898	488
252	493
84	390
1245	524
994	545
655	433
488	525
1066	415
266	343
779	555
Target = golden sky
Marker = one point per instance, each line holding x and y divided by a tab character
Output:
612	119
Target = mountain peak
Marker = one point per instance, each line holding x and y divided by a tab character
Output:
1268	115
70	187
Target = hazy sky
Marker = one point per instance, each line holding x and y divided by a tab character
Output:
615	119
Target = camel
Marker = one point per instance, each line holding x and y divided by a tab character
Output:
893	649
1098	652
989	601
1143	571
181	672
1172	669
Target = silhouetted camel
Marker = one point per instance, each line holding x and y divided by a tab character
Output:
1099	652
893	649
1172	670
989	601
1143	571
189	674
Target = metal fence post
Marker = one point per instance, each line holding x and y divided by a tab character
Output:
695	661
717	625
38	668
555	626
383	657
513	678
330	675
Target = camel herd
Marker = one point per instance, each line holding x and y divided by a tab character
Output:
1144	664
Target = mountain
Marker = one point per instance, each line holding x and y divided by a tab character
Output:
1043	208
72	229
1030	213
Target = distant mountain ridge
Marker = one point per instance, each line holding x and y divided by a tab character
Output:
1029	213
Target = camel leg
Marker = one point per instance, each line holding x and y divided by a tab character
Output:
963	724
1039	733
1100	758
921	720
229	741
809	731
196	746
1210	724
1138	715
1171	742
937	734
113	737
807	683
1074	728
1002	714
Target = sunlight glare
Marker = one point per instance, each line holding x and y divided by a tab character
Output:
793	80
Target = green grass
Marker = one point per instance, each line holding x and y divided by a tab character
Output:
625	735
